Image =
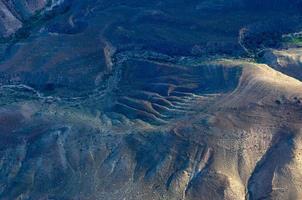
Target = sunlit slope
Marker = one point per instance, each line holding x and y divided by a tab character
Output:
236	143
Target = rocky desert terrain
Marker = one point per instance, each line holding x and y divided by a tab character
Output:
153	100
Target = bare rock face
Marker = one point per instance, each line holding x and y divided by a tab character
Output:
16	14
150	100
9	22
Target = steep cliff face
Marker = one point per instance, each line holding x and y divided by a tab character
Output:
195	100
18	14
9	22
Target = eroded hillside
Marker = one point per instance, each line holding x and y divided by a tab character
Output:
197	100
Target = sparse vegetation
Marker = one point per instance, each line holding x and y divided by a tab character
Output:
293	39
